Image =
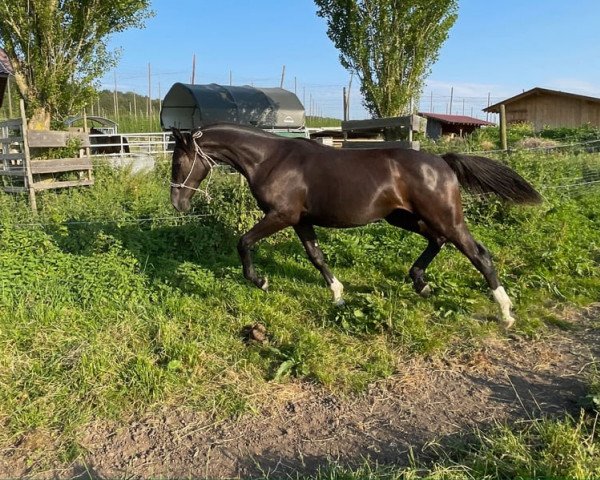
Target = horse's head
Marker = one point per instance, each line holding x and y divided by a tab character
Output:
190	166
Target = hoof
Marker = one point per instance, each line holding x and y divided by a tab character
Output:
265	285
425	291
339	302
507	322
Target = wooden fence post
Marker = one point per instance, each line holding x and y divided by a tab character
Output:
27	160
503	138
85	130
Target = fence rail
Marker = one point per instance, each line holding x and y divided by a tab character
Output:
147	143
20	174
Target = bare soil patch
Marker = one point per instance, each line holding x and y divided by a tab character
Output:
306	427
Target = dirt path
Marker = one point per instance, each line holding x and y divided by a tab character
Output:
432	400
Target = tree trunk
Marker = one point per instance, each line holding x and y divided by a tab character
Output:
40	119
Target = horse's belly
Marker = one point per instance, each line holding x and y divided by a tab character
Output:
351	206
339	219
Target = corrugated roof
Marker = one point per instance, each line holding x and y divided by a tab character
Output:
455	119
189	106
5	67
536	91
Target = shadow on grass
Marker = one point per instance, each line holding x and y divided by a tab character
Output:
438	421
429	437
161	250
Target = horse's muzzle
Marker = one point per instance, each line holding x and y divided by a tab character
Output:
179	201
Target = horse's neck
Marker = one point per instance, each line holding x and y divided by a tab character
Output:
242	156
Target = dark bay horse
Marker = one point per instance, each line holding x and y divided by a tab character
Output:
103	143
299	183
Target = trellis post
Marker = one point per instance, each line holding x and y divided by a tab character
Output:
27	159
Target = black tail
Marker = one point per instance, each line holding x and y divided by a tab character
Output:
483	175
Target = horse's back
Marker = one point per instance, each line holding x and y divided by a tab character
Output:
342	188
375	182
353	167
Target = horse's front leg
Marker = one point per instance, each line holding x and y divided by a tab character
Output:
270	224
307	236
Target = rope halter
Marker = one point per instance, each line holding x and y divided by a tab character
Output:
209	161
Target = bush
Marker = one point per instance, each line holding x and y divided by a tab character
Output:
519	136
585	133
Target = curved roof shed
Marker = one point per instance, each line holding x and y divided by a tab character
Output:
106	125
189	106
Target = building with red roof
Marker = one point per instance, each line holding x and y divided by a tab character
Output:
439	124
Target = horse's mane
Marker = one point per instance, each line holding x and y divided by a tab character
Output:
225	126
251	131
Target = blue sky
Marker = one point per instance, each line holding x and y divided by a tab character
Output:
496	47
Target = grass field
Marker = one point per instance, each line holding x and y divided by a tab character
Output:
110	303
542	449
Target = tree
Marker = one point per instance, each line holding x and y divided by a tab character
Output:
58	49
389	44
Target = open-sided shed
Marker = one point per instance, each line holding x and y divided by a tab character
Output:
189	106
101	124
439	124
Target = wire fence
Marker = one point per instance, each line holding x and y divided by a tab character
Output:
320	99
588	178
592	144
160	143
180	218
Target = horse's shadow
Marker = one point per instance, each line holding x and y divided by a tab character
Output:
161	251
191	256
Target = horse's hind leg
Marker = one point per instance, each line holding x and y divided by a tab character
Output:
307	236
411	222
417	271
482	260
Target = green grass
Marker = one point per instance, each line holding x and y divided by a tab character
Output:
519	135
103	314
539	449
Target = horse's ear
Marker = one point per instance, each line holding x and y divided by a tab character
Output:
179	138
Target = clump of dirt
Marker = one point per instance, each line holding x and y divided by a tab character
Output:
256	333
429	400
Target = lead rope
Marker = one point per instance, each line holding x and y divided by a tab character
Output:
198	152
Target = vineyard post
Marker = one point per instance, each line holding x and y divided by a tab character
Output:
282	77
10	109
27	159
503	139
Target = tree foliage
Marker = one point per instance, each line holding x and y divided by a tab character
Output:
58	48
389	44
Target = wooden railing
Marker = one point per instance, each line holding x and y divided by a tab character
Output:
400	128
20	174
